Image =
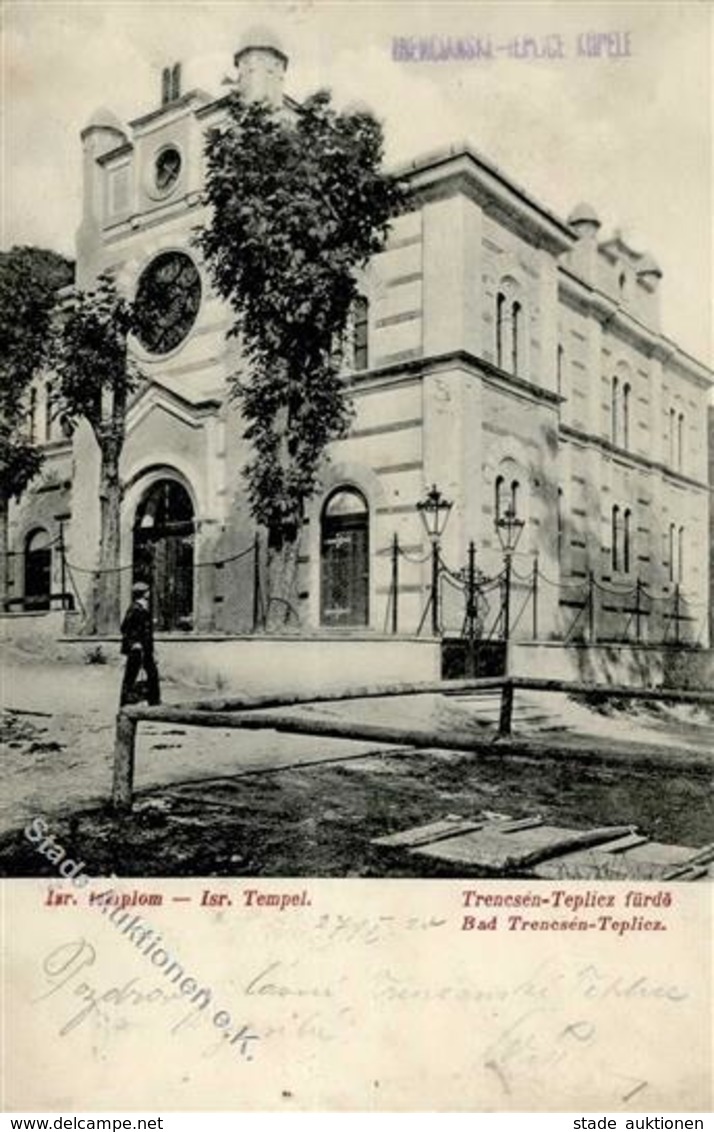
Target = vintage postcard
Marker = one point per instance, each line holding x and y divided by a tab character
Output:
356	589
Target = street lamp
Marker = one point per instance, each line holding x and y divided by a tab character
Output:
434	511
508	528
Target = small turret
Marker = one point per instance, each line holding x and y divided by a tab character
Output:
261	64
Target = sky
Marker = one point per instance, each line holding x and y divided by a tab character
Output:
632	136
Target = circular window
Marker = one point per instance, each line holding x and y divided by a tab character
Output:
166	169
167	300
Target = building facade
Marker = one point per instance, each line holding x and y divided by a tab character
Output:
510	357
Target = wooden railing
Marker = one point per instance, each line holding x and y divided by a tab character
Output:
259	712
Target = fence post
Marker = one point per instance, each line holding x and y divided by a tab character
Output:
395	582
124	752
471	612
535	596
505	722
256	581
676	613
63	567
591	607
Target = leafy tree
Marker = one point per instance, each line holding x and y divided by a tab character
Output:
298	204
29	280
95	378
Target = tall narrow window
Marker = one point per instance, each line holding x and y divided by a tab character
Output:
515	486
626	416
680	554
626	535
672	434
680	441
671	571
32	417
498	499
48	410
360	333
176	81
560	375
614	409
615	538
165	86
559	521
515	336
500	327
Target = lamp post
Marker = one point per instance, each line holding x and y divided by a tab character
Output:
508	529
434	511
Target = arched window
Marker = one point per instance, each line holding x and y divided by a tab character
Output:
344	559
626	536
626	415
176	81
515	487
360	333
38	570
615	409
498	500
500	327
165	86
164	552
615	538
49	399
516	312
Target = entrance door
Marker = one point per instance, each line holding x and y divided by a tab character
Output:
38	571
164	553
344	555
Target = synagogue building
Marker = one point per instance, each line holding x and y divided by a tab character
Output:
511	357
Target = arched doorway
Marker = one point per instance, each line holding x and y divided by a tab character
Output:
164	552
344	559
38	570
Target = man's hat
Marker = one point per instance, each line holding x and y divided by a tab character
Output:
139	589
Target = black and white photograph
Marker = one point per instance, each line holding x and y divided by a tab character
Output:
357	458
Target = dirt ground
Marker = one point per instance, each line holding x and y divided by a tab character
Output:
227	803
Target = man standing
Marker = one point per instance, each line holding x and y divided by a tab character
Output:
137	646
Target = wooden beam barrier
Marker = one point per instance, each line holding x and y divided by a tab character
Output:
329	695
250	718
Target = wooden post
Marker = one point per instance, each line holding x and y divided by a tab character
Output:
256	582
535	596
124	749
505	723
395	583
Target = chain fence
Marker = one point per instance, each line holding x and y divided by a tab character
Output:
229	594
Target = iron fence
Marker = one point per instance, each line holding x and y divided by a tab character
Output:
228	594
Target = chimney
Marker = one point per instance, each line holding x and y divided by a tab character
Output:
170	84
260	65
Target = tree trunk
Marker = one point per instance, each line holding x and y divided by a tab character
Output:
107	588
282	607
4	552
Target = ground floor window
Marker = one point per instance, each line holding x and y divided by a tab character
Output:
344	559
163	538
38	570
